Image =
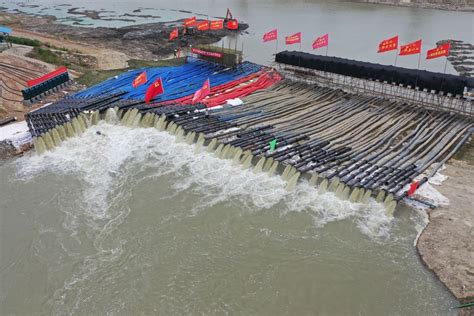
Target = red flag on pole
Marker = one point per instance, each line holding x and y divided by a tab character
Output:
270	36
153	90
388	45
203	26
232	25
321	41
203	92
190	22
410	49
293	39
442	50
139	80
174	34
413	187
217	25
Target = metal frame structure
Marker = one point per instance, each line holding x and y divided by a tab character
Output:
422	98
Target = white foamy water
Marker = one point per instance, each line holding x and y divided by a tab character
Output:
101	163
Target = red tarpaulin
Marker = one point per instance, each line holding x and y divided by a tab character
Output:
46	77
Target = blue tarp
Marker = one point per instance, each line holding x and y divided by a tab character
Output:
5	30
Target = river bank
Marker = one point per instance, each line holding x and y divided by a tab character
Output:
451	5
445	245
112	46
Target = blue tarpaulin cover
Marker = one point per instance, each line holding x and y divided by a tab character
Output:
5	30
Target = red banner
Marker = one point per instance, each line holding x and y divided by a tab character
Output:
293	39
232	25
174	34
410	49
203	26
190	22
139	80
153	90
440	51
206	53
388	45
202	93
217	25
48	76
270	36
321	41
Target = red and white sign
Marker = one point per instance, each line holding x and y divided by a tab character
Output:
293	39
217	25
388	45
321	41
190	22
203	26
34	82
270	36
410	49
232	25
440	51
206	53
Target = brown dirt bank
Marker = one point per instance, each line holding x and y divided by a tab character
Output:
141	41
446	245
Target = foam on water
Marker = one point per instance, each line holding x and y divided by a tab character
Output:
101	163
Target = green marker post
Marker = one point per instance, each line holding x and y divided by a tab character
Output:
273	145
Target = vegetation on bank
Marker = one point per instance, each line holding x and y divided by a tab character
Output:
24	41
93	77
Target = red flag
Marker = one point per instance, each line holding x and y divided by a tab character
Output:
293	39
190	22
321	41
153	90
174	34
232	25
217	25
203	26
388	45
410	49
413	187
441	50
270	36
203	92
139	80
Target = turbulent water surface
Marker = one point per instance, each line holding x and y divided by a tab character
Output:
133	222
